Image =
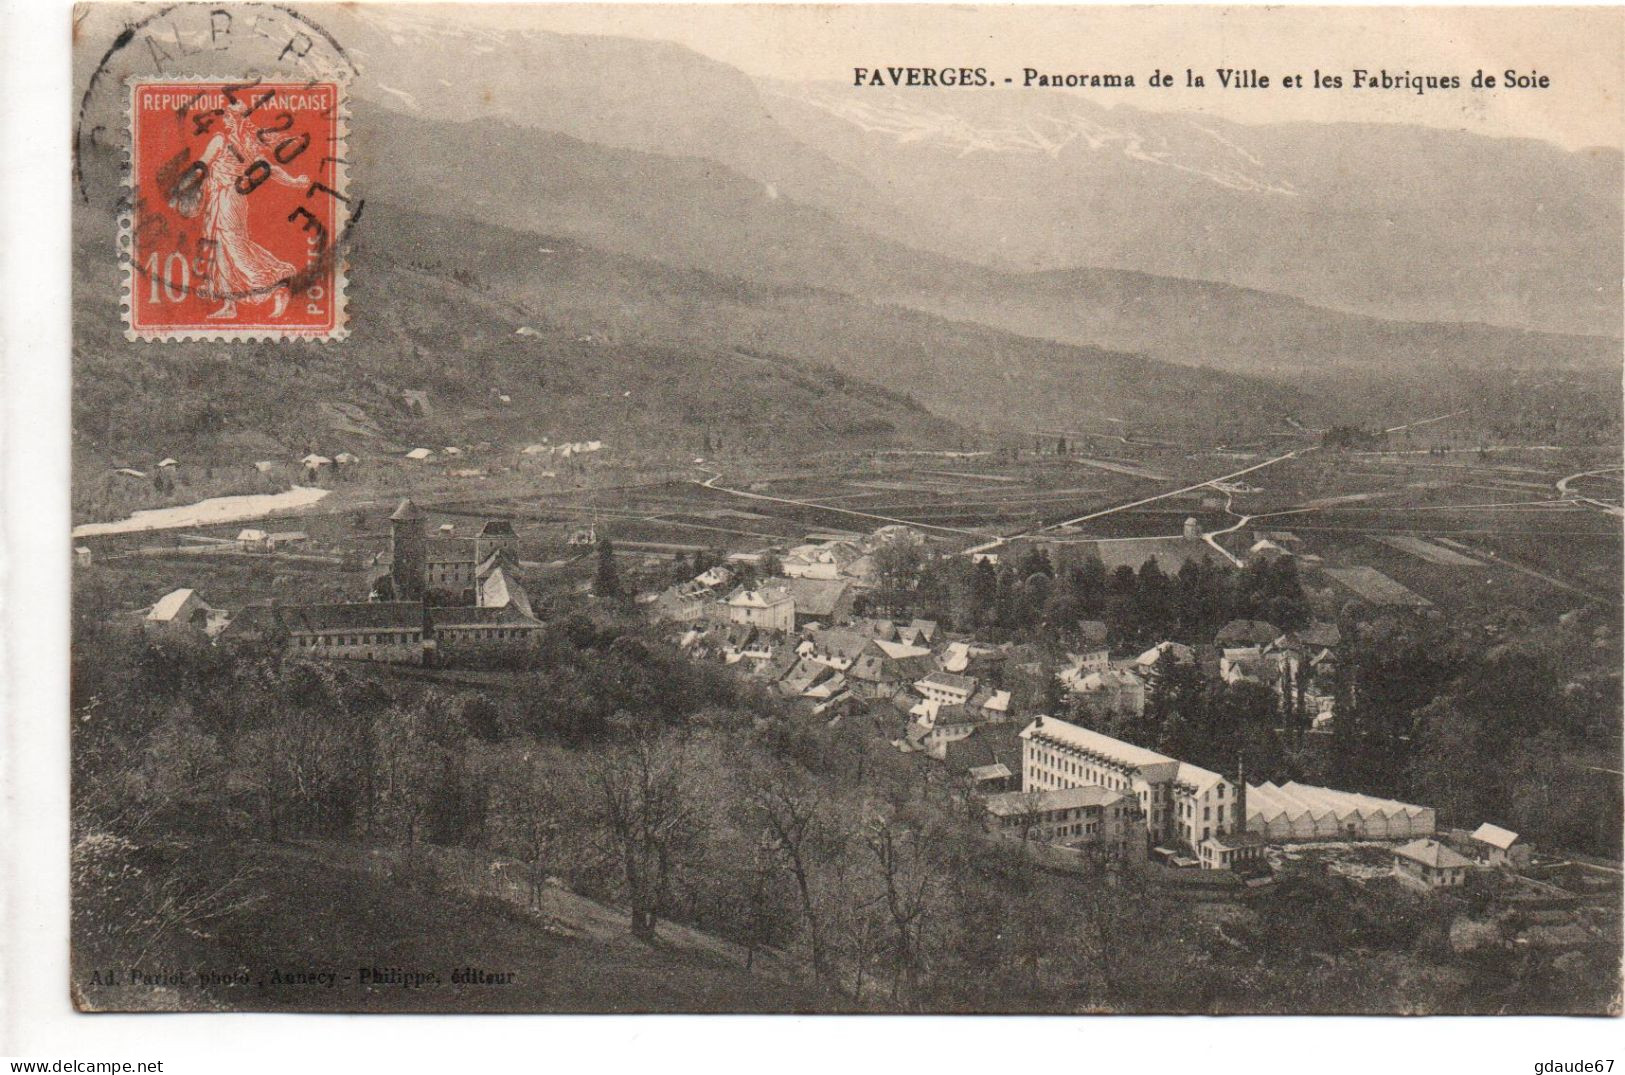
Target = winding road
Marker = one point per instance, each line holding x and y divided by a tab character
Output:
1569	494
1144	501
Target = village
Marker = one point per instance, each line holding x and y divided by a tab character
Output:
1051	741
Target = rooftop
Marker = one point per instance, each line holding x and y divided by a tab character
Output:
898	651
355	616
950	681
169	606
815	597
1495	836
1126	754
1247	632
476	616
758	598
1009	803
1432	853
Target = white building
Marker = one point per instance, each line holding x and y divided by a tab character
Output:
183	611
770	610
946	688
1181	803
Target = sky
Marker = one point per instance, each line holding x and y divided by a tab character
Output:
1580	49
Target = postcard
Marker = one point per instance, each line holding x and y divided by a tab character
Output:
837	509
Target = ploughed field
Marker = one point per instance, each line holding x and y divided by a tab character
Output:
1467	534
1470	536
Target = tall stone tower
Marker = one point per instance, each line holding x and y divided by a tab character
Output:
407	549
1193	530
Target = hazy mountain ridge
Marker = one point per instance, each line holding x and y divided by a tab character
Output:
686	213
1390	220
1244	329
1396	221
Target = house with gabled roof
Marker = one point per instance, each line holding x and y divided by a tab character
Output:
804	675
990	704
770	608
183	611
946	687
1242	633
822	601
501	588
1501	847
990	757
838	647
1431	865
885	668
918	632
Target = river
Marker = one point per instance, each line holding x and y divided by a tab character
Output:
218	509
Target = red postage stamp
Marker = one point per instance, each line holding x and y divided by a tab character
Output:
237	208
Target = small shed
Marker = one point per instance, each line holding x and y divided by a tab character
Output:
252	540
81	556
345	459
1501	847
420	454
313	461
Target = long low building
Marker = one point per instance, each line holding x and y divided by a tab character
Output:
1071	816
1294	811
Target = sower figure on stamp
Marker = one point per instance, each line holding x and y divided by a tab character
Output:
240	268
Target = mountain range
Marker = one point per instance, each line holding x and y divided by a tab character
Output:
691	245
1394	221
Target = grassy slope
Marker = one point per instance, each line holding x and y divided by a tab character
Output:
413	326
975	375
323	908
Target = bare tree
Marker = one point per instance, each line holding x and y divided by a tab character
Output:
790	810
648	814
906	880
530	814
1027	810
411	768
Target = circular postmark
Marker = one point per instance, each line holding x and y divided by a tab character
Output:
215	136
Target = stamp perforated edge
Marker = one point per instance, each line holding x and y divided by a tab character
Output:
126	230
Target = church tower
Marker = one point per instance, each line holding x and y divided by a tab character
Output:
407	551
